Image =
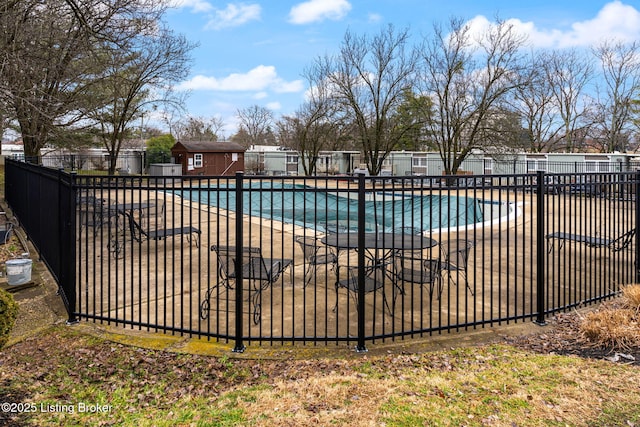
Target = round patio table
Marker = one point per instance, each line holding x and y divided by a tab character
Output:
382	241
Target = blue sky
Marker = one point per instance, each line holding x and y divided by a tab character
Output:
254	52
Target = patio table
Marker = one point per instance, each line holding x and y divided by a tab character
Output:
380	247
386	241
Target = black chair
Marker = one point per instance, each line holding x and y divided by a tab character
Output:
455	258
616	244
258	271
96	212
316	254
140	234
151	213
413	269
375	276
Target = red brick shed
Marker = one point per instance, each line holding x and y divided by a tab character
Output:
209	157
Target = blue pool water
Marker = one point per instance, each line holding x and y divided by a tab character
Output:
338	211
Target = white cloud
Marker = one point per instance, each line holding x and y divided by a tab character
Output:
319	10
194	5
374	18
234	15
274	106
260	79
614	21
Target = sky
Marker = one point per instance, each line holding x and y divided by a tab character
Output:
255	52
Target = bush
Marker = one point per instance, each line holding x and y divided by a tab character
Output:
8	314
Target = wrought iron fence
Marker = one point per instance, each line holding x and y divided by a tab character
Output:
328	259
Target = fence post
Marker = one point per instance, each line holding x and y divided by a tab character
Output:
541	249
239	347
360	347
637	236
67	212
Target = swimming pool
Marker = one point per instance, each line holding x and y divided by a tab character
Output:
335	210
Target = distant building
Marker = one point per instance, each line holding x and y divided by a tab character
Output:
209	157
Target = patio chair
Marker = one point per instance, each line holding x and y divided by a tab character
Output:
153	214
455	258
616	244
96	212
259	272
140	234
316	254
417	270
375	276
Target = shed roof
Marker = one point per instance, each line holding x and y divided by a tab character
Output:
211	146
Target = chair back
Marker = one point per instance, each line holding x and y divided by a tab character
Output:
315	252
153	216
456	253
374	277
94	211
417	269
309	247
623	241
253	264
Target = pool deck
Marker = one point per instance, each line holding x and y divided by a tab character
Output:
155	267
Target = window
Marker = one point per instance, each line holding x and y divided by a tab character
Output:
488	166
419	161
197	160
292	159
591	166
536	165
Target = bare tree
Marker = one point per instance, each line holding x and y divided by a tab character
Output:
314	126
620	64
138	77
308	136
256	125
45	59
535	103
468	80
368	78
568	73
52	56
200	129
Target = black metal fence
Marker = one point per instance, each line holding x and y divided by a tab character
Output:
328	259
43	200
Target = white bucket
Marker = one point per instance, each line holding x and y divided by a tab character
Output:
18	271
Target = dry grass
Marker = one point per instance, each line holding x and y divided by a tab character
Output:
615	326
631	297
486	385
